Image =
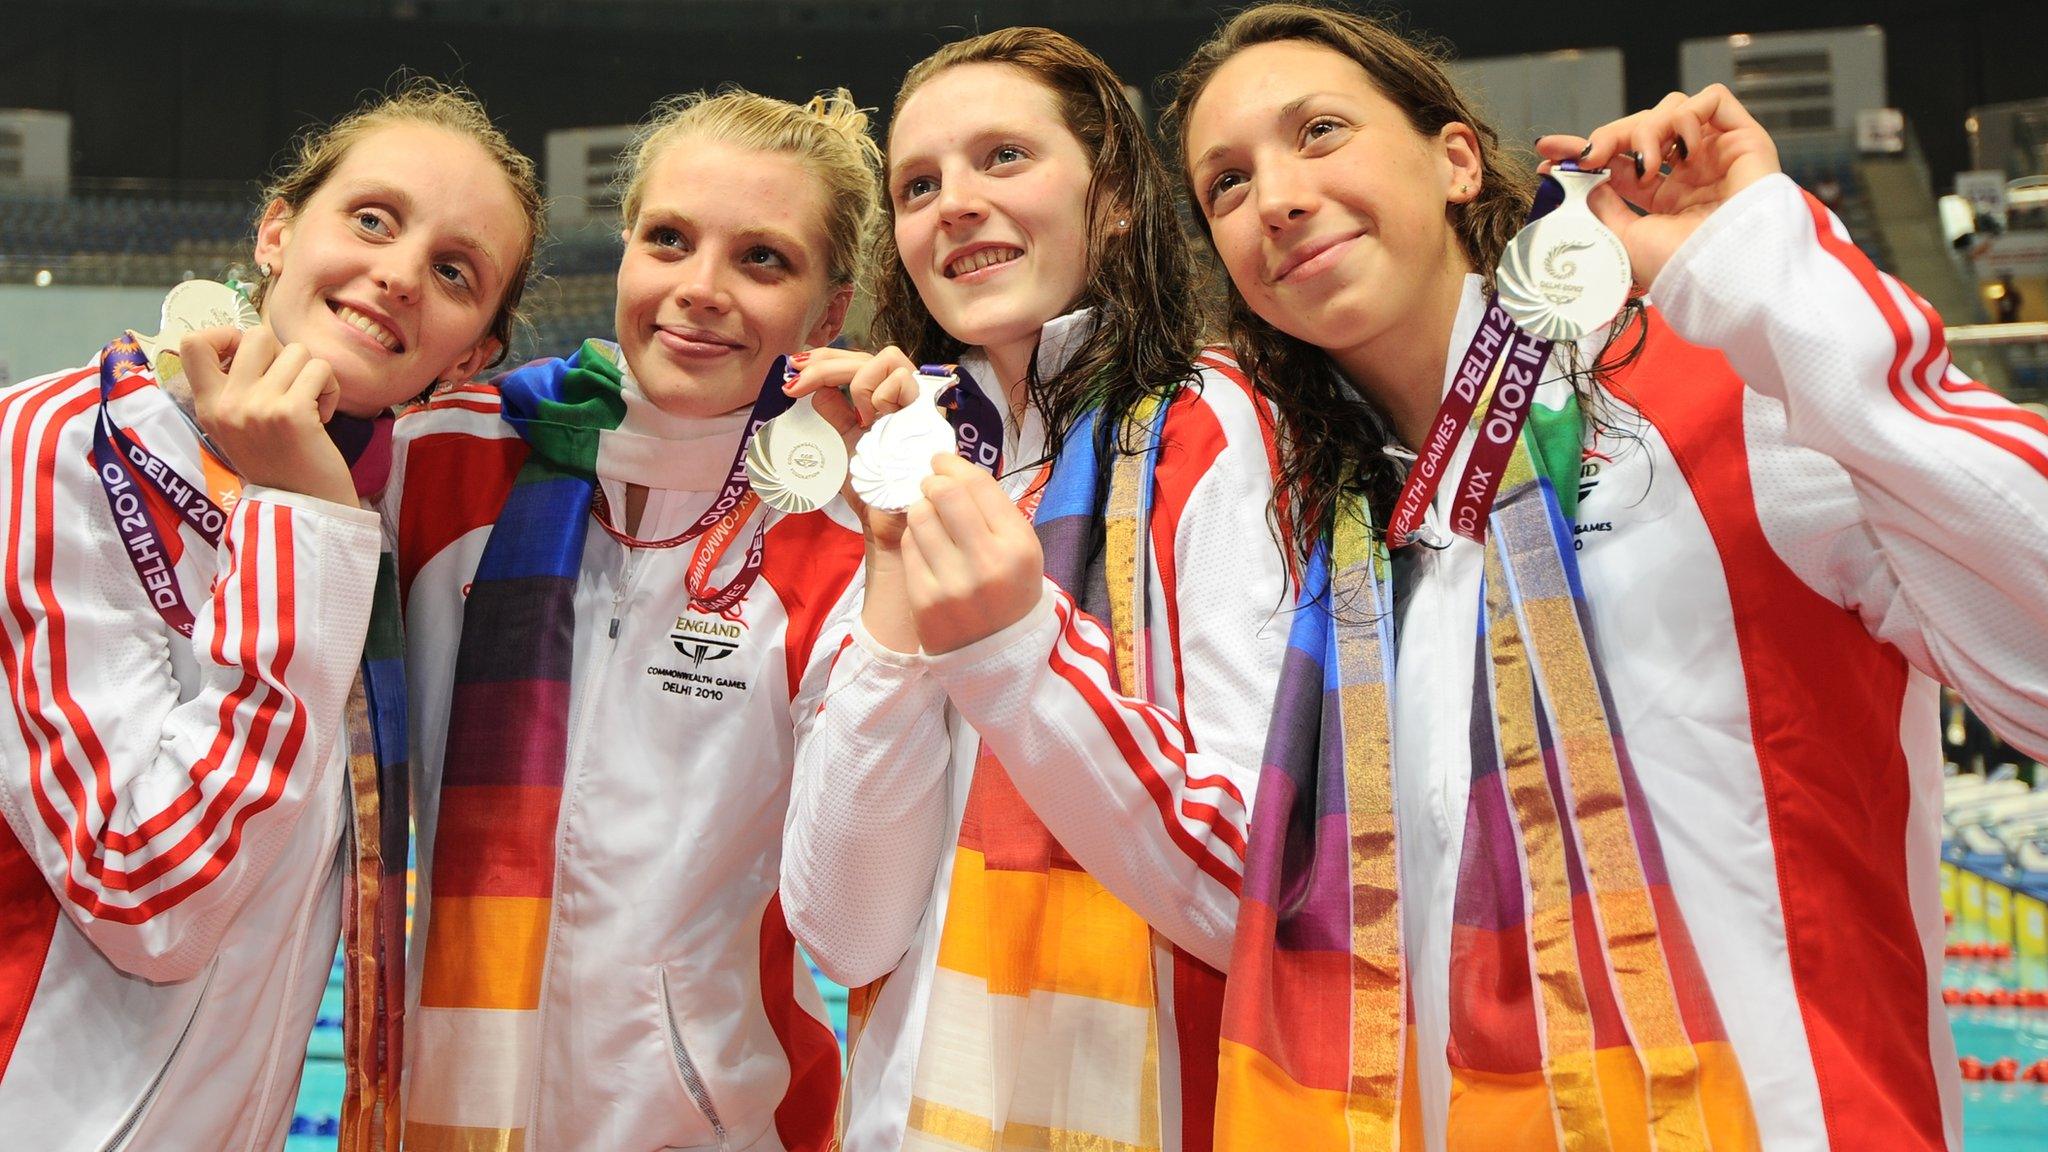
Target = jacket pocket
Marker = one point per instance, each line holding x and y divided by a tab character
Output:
687	1070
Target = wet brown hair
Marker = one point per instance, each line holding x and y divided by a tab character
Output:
1141	280
319	151
1332	435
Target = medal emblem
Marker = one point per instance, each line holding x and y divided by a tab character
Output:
1565	276
891	462
797	461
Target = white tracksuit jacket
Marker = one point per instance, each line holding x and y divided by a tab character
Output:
1780	560
883	775
678	776
170	872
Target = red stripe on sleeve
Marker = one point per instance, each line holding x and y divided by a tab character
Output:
51	761
1110	712
1911	387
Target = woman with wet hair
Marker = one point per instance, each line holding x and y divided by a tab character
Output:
1618	826
1012	819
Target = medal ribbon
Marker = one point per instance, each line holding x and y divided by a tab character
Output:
711	548
769	403
121	464
977	423
734	503
1512	395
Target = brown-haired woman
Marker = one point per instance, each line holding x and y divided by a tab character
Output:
1747	537
970	805
179	780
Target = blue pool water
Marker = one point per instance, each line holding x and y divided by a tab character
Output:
2001	1117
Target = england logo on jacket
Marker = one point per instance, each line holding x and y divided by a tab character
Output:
702	636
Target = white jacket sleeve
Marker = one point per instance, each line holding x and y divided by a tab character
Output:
153	819
869	806
1951	479
1154	797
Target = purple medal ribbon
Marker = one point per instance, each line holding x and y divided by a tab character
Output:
122	464
768	404
771	402
977	423
1512	395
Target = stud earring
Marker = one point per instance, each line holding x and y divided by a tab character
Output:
263	270
1122	224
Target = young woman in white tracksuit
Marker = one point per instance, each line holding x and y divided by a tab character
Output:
1794	516
603	725
960	835
175	770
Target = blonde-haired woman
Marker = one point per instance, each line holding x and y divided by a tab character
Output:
604	719
177	782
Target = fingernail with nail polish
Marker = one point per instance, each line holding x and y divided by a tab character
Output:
1587	151
1639	164
1684	153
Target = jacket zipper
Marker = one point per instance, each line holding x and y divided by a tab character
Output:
693	1082
571	780
156	1082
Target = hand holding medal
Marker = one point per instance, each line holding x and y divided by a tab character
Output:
911	414
972	562
192	306
851	390
1563	278
895	456
1710	144
1567	273
266	405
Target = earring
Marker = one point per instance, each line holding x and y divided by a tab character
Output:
1122	224
263	270
1464	188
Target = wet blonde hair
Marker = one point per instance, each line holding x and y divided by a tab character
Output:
828	134
319	151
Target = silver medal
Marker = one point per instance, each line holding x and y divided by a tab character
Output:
191	306
797	461
892	460
1565	276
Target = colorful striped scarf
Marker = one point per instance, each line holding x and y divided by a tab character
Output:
373	916
1042	1030
1579	1015
493	867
